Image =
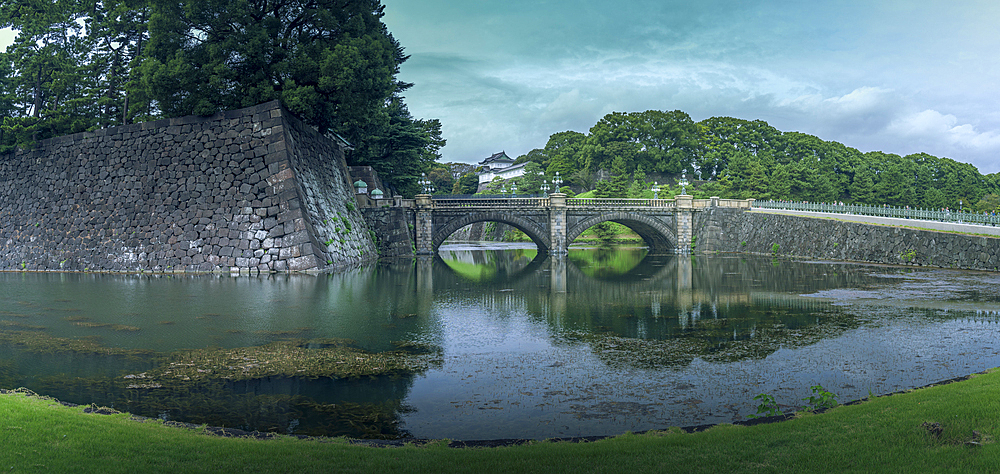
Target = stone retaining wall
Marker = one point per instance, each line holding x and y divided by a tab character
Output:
730	230
392	228
251	190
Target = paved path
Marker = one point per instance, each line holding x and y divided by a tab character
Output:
933	225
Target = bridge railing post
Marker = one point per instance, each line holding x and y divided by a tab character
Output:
557	224
424	225
685	222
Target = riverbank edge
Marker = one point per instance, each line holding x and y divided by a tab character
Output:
335	268
950	427
487	443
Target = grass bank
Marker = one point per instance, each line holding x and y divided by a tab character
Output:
944	428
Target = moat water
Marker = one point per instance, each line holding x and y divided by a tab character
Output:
597	343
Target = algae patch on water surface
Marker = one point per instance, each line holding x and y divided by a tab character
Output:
716	340
39	342
301	358
308	358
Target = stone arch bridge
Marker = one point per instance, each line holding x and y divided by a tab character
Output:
553	222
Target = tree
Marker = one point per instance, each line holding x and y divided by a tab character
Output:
639	189
537	155
563	151
441	178
670	140
614	136
862	187
45	89
895	180
531	181
331	64
118	33
617	185
989	203
467	184
745	177
780	186
403	149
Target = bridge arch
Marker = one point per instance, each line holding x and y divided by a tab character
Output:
660	237
536	233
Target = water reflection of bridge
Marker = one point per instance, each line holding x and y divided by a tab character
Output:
696	287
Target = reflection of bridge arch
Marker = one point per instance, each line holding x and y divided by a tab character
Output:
450	277
537	235
636	279
659	237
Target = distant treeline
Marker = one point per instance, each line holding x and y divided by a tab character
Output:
737	158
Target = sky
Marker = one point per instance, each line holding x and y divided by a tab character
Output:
901	77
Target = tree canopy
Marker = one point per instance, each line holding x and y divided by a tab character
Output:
79	65
738	158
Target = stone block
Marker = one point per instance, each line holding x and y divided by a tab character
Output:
296	238
303	263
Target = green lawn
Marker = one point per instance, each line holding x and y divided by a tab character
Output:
886	434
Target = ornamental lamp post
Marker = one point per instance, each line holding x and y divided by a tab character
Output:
556	183
513	188
545	187
426	183
684	182
656	190
423	182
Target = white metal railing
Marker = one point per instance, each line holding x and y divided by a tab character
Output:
944	215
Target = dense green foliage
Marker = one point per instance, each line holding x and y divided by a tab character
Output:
79	65
67	70
626	152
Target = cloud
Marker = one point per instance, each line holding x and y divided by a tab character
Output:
508	75
866	110
933	126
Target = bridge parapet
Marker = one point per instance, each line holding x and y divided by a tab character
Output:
621	203
492	203
733	203
554	221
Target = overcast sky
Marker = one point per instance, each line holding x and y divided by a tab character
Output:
897	76
900	76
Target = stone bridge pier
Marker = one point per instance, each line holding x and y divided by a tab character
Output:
554	222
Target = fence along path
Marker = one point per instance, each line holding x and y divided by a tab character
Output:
885	211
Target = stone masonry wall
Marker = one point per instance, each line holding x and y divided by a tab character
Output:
250	190
730	230
393	230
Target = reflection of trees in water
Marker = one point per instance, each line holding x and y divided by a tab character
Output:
725	339
723	309
314	407
487	265
606	263
666	310
491	267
